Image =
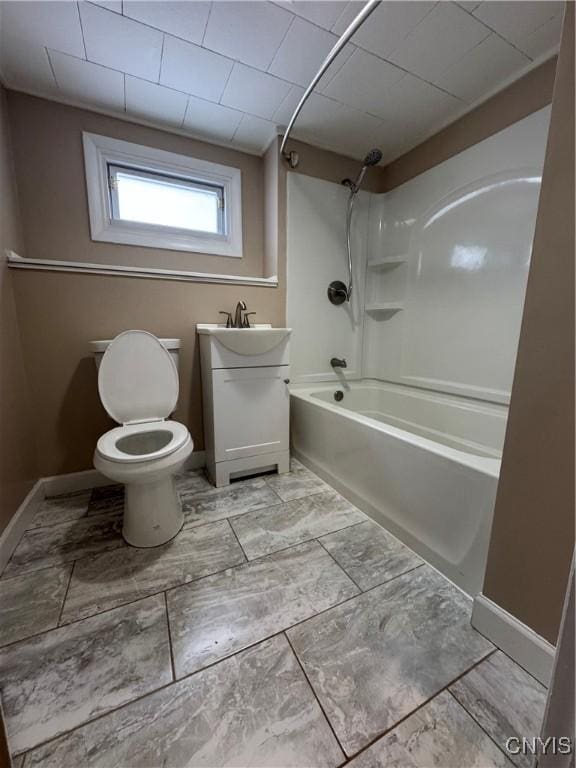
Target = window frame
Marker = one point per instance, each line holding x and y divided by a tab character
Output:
101	152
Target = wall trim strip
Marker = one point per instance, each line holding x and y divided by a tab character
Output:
52	486
52	265
517	640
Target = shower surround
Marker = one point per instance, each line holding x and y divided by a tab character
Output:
430	340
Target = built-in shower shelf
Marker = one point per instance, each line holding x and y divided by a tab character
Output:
380	266
384	307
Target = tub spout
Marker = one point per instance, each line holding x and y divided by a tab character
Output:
336	362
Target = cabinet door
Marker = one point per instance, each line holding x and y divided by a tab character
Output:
251	411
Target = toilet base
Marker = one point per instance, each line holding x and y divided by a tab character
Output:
152	513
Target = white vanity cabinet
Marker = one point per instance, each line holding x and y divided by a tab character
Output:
245	378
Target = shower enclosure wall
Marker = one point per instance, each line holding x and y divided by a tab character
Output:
430	340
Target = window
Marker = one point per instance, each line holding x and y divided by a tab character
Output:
144	196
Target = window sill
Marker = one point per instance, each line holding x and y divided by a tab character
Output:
51	265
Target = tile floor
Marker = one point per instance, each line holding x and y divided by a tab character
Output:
281	627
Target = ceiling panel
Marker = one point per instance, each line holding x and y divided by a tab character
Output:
254	92
250	32
473	76
302	52
324	14
155	102
52	25
234	71
504	16
439	40
120	43
78	78
183	19
204	118
362	80
194	70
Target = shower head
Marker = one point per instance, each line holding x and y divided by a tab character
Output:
372	158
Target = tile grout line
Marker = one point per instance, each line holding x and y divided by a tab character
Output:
314	694
460	704
238	540
419	707
65	595
170	646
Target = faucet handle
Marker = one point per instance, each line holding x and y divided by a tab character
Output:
246	323
228	318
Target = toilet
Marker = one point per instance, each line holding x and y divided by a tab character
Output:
138	386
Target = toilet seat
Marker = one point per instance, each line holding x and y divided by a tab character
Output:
147	441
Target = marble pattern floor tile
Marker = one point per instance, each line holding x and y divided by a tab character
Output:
505	700
224	613
192	481
107	499
440	734
18	762
62	509
63	678
254	709
296	483
369	554
58	544
268	530
120	576
234	499
31	604
378	657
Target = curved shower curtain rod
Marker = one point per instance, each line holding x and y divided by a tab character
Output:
292	157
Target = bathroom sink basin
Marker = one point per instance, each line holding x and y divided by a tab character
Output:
246	341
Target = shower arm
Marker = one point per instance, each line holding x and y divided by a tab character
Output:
292	157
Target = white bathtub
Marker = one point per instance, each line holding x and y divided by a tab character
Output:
423	465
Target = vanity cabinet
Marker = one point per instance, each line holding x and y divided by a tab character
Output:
246	402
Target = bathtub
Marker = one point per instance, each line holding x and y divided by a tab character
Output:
423	465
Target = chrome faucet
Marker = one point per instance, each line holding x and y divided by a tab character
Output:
240	307
336	362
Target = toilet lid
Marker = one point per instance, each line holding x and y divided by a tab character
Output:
137	379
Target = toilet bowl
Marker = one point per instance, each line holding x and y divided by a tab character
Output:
138	386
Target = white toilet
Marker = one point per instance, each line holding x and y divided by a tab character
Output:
138	386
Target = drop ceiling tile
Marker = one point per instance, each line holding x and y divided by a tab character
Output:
411	101
82	80
317	113
182	19
545	39
204	118
54	25
515	20
302	51
254	133
120	43
250	32
324	13
441	38
155	102
111	5
190	68
468	5
285	111
25	66
255	92
474	75
386	28
362	80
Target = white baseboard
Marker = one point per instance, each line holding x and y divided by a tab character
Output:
526	647
53	486
20	520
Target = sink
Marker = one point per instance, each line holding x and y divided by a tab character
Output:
246	341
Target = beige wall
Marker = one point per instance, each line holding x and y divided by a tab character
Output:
50	165
527	95
533	531
17	449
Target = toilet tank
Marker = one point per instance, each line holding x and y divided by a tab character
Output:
99	347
